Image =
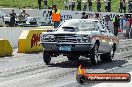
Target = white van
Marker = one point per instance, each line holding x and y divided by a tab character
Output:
2	22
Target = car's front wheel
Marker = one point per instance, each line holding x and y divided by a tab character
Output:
94	55
46	57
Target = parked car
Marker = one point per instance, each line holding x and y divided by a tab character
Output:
1	20
4	19
80	37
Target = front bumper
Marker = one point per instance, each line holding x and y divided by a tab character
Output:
54	46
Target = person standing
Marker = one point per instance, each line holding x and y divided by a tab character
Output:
73	5
90	5
109	5
129	6
123	22
22	16
130	20
98	3
124	5
78	5
45	4
66	4
116	24
56	16
70	4
121	6
106	5
12	19
85	6
39	4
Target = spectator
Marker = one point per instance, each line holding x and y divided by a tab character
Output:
56	16
116	23
85	6
109	5
12	19
127	28
23	15
124	5
130	21
66	4
129	6
39	4
45	4
97	16
123	22
84	16
73	5
78	5
106	5
70	4
98	2
90	5
121	6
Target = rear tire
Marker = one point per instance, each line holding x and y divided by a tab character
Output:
108	56
46	57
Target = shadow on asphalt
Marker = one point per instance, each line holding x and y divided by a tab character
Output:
87	64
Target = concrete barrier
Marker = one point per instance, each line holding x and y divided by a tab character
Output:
12	34
5	48
29	41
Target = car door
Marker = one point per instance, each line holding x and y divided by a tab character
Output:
105	39
109	38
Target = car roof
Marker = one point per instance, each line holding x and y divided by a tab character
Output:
83	20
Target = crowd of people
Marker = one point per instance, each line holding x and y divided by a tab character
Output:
120	22
86	5
21	17
124	23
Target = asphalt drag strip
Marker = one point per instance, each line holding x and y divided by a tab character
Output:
29	70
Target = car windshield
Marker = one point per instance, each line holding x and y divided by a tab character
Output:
81	25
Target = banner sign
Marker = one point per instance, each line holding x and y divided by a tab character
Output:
68	14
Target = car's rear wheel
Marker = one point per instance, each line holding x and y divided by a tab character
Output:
108	56
46	57
94	55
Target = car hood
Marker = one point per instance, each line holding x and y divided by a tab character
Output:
67	32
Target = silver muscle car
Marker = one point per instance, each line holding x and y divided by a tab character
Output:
79	37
